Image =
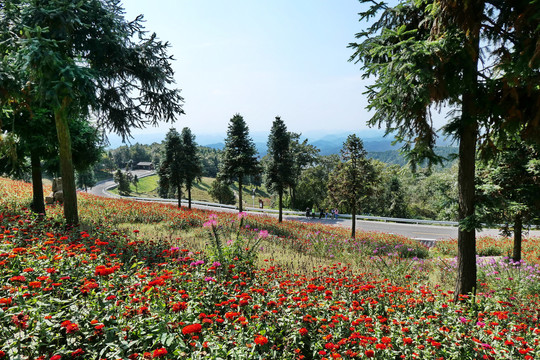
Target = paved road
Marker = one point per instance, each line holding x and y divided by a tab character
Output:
427	234
101	187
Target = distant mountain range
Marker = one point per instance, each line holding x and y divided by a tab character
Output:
333	143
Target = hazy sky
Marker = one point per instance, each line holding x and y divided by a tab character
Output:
261	59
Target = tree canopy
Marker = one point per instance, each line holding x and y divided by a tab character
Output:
82	57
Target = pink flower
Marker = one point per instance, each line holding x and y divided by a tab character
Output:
263	234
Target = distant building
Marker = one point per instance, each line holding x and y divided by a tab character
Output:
144	165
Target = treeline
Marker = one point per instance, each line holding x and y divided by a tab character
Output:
397	192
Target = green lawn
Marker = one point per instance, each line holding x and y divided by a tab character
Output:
148	187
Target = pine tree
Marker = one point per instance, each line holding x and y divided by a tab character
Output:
353	180
278	169
190	167
170	172
123	183
239	158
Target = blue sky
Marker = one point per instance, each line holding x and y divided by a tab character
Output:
261	59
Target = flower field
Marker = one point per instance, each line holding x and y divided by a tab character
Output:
101	292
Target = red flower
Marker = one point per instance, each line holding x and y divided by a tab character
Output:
2	354
407	341
56	357
18	278
370	353
102	270
34	284
261	340
20	320
190	329
179	306
77	352
71	328
159	352
303	331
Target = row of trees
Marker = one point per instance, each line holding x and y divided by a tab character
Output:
66	62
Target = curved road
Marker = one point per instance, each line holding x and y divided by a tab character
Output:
427	234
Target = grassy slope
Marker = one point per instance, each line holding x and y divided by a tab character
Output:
148	187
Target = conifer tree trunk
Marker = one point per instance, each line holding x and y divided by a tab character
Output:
179	192
518	228
353	222
38	202
466	277
189	197
66	164
280	195
240	193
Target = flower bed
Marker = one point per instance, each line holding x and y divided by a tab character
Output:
100	293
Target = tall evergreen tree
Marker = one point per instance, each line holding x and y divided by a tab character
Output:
353	180
170	172
240	155
303	155
80	55
280	161
190	166
476	57
508	190
123	183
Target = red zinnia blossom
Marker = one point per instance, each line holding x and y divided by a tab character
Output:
77	352
190	329
102	270
370	353
18	278
159	352
6	301
20	320
156	282
34	284
2	354
179	306
303	331
71	328
261	340
407	341
56	357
